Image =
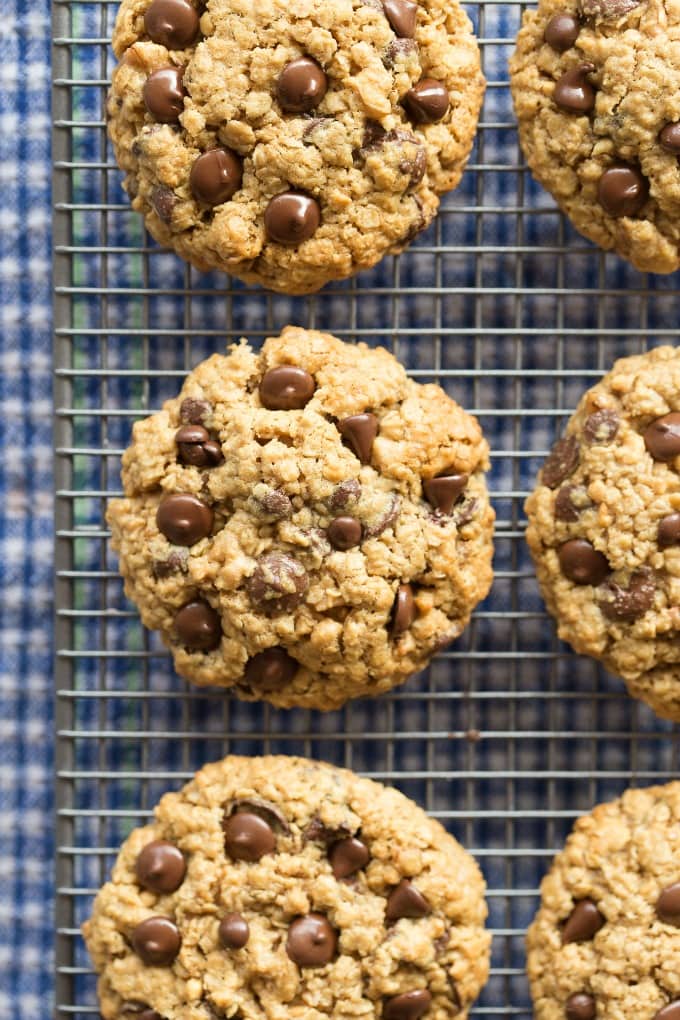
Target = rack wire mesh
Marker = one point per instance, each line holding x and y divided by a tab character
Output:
508	736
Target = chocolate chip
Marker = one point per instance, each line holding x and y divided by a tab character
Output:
311	941
408	1005
561	462
292	217
605	9
149	1014
266	809
184	519
414	160
215	176
668	905
286	388
346	493
427	102
164	94
442	943
662	437
622	190
172	23
195	447
573	92
360	430
348	856
465	511
247	836
174	564
160	867
618	603
580	1007
582	563
156	941
278	584
669	138
583	923
344	532
271	669
194	411
318	832
163	200
570	501
397	50
669	531
198	626
406	901
301	85
443	491
401	15
233	932
403	610
272	502
669	1012
140	1011
601	427
383	518
562	31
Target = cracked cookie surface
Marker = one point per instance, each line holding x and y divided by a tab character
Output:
277	888
292	143
604	527
596	90
605	942
305	524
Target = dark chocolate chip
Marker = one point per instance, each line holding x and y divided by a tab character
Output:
291	217
619	603
573	92
562	31
233	932
570	501
669	1012
274	503
278	584
561	462
403	610
198	626
668	905
348	856
286	388
301	85
580	1006
601	427
248	836
408	1005
156	941
271	669
583	923
194	411
662	437
622	190
427	102
163	201
465	511
582	563
195	447
160	867
274	817
164	94
397	50
669	531
401	15
345	494
184	519
669	138
311	941
602	10
318	832
344	533
360	430
215	176
175	563
406	901
172	23
442	492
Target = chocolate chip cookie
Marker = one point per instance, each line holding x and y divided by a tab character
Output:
596	88
287	888
290	145
305	524
605	943
604	527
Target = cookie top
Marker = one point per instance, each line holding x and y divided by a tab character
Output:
305	524
604	527
596	88
287	888
605	942
292	144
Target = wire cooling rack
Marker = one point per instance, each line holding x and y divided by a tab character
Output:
508	736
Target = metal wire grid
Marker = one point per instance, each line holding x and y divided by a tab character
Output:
508	736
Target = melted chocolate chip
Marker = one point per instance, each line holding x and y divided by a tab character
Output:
286	388
160	867
622	190
272	503
270	670
301	86
662	437
669	138
233	932
414	161
164	94
427	102
344	533
601	427
583	923
292	217
602	10
403	610
669	1012
401	15
194	411
347	493
443	491
348	856
398	50
248	836
198	626
580	1007
172	23
215	176
618	603
195	447
562	31
156	941
278	584
184	519
573	92
360	430
408	1005
140	1011
163	201
582	563
570	501
311	941
406	901
175	563
669	531
561	462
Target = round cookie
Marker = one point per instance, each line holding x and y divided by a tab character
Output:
305	524
604	527
596	89
605	942
292	144
287	888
